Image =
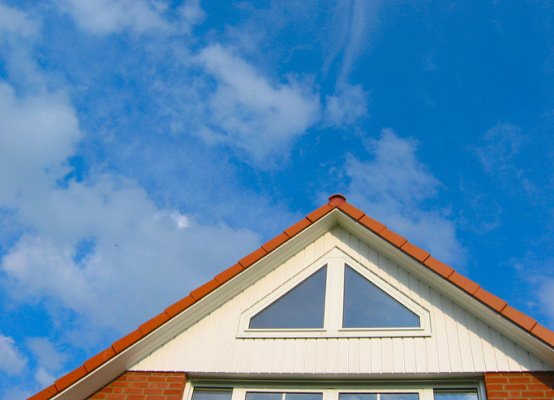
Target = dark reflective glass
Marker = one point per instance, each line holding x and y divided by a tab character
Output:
301	307
456	395
303	396
263	396
367	306
212	394
399	396
358	396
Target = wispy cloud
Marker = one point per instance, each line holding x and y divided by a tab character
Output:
102	17
347	106
393	188
498	152
251	113
11	360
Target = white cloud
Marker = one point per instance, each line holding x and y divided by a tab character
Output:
250	113
43	378
113	16
346	106
140	261
37	133
393	188
15	22
11	360
47	356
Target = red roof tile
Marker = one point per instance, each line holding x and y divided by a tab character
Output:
335	201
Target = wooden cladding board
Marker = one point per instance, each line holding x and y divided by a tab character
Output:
459	342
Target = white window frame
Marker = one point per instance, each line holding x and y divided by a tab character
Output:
332	389
335	260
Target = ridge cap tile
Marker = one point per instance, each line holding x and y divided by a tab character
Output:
372	224
45	393
519	318
494	302
392	237
154	323
229	273
203	290
320	212
97	360
252	257
414	251
180	305
545	334
439	267
127	340
70	378
278	240
352	211
298	227
464	283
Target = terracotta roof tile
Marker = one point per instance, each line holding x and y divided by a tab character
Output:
70	378
519	318
179	306
127	340
153	323
352	211
392	237
296	228
97	360
439	267
543	333
464	283
275	242
335	201
45	393
370	223
496	303
320	212
252	257
415	252
229	273
203	290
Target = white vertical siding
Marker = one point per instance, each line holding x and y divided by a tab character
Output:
459	342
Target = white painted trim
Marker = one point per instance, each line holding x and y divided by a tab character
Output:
336	260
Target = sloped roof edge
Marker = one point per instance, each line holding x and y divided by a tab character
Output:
336	201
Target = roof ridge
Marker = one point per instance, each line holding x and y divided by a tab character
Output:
336	201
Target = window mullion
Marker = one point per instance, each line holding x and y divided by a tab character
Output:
334	295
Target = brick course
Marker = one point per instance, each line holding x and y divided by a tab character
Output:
144	386
520	385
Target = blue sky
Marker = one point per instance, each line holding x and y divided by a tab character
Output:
147	145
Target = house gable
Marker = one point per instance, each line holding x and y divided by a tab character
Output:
455	340
178	318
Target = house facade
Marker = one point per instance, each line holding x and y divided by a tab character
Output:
337	307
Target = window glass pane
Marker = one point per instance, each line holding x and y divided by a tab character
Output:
456	395
399	396
303	396
358	396
301	307
263	396
212	394
367	306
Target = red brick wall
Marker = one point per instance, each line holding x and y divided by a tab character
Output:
520	385
144	386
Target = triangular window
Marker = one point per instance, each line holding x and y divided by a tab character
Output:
335	297
367	306
300	308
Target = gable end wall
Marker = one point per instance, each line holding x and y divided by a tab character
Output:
144	386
